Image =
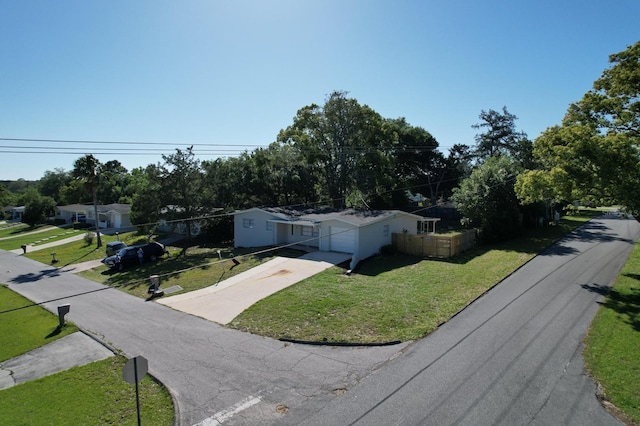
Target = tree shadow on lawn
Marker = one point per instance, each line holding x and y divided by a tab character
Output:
547	241
76	260
378	264
25	230
627	304
137	276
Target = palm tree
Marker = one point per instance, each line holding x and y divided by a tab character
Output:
86	168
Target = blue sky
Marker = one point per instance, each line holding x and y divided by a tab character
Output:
233	73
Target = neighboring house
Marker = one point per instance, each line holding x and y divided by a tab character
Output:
16	213
361	233
109	215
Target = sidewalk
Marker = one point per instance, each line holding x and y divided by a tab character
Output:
43	229
70	351
31	248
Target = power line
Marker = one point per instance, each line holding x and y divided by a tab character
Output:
78	141
119	152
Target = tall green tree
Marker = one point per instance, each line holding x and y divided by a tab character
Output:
333	137
36	207
182	183
146	202
6	197
594	155
87	170
114	178
613	104
418	165
500	136
280	176
52	182
487	198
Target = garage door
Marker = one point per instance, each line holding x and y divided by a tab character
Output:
343	240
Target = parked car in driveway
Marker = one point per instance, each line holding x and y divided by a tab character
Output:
113	247
131	255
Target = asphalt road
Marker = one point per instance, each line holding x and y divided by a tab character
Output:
512	357
216	375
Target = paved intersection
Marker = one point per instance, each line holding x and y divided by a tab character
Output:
512	357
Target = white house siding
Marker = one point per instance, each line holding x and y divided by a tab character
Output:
402	222
366	236
256	236
372	238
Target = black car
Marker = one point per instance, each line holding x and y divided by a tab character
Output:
113	247
130	255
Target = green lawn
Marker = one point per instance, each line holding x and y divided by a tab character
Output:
200	267
613	341
22	330
90	394
93	394
13	229
19	235
79	251
396	297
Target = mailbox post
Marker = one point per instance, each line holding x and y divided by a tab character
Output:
62	311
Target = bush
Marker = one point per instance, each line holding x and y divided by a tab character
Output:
80	225
88	238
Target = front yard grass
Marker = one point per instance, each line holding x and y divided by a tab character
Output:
79	251
396	297
91	394
22	235
200	267
25	326
613	341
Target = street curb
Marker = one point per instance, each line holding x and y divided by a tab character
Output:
344	344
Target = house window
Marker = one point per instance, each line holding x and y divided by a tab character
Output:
309	231
247	223
269	226
385	230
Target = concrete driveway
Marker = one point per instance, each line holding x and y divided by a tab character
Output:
226	300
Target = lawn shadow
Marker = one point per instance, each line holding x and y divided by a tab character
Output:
379	264
77	260
134	276
626	304
55	332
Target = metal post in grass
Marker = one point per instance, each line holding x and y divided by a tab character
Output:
134	370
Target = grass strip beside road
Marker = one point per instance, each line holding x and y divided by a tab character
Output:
613	341
9	230
54	234
393	297
22	330
79	251
90	394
